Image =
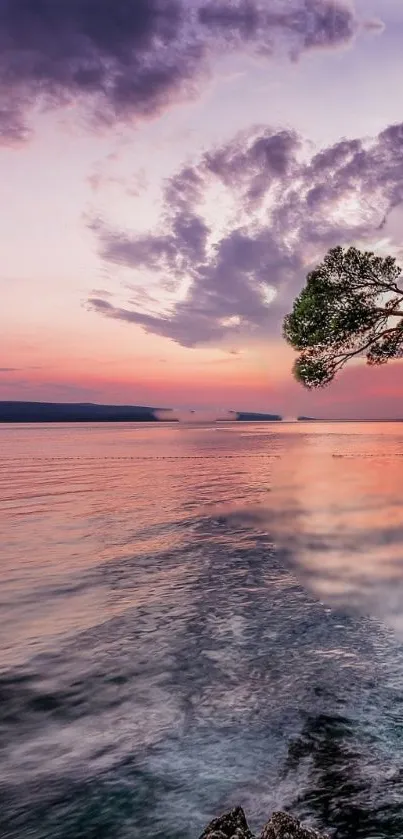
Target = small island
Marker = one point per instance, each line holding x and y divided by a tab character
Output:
307	419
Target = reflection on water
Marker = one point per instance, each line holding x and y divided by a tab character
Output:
337	515
166	648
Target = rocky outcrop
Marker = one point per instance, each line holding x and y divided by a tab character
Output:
283	826
233	825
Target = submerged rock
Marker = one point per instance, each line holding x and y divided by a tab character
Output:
233	825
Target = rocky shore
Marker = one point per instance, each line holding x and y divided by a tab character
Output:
233	825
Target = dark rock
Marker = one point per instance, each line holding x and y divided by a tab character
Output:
233	825
283	826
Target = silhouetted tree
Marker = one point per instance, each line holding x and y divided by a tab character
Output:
351	306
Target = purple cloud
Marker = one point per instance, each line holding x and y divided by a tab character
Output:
289	212
128	58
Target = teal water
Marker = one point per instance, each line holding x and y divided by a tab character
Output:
193	617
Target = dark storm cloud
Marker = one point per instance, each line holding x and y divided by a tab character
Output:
300	209
127	58
119	53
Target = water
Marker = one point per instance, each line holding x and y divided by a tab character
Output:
193	617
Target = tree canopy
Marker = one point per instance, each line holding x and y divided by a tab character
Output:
351	306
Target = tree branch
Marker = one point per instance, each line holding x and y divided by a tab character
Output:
390	312
347	355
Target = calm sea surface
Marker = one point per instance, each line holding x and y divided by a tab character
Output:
197	616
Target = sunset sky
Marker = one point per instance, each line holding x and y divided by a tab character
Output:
170	172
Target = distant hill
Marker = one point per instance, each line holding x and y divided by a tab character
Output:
88	412
77	412
250	416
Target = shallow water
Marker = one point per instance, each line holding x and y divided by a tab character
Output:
193	617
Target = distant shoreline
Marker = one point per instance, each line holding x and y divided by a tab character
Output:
53	412
18	412
65	412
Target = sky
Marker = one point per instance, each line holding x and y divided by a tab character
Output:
170	172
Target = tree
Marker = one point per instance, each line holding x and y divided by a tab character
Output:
351	306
